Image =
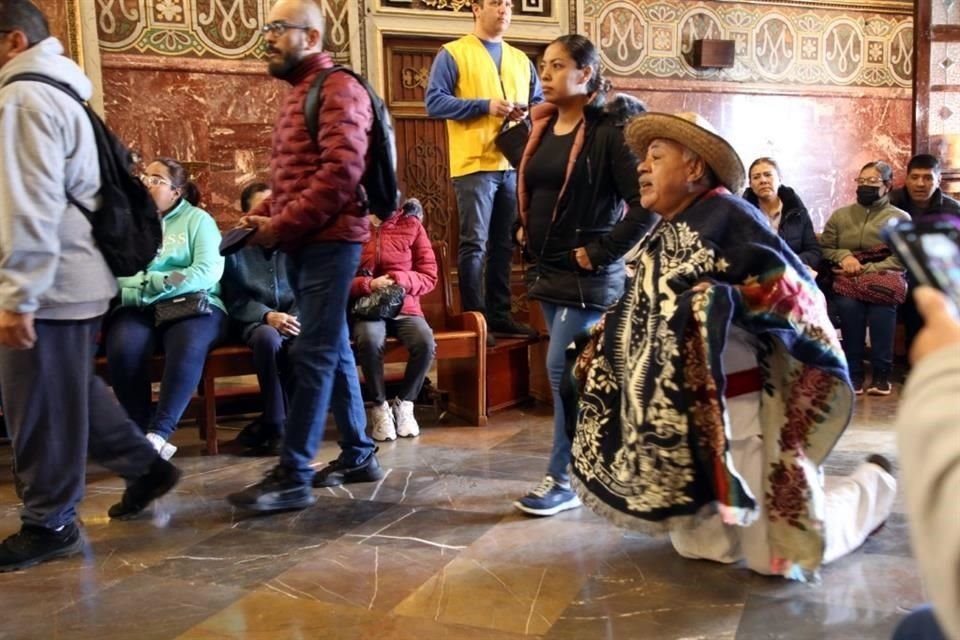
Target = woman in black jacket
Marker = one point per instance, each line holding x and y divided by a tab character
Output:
580	211
784	210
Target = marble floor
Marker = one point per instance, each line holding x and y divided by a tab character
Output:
435	550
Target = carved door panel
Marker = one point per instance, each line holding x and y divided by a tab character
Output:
422	159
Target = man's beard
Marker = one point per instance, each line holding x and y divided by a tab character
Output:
284	67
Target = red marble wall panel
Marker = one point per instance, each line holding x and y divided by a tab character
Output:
216	123
56	12
820	142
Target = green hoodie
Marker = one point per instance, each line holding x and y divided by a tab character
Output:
855	228
191	246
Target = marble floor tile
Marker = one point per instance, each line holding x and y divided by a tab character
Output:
501	465
268	614
329	518
142	607
766	618
238	558
415	527
434	550
369	576
494	595
470	493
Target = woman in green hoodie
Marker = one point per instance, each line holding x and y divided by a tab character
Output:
851	231
189	261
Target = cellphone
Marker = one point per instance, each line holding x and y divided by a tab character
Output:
930	250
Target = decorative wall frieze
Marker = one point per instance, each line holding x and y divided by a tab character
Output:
224	29
522	8
653	39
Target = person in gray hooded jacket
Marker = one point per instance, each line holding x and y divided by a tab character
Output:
54	288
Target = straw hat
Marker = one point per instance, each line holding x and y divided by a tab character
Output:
694	132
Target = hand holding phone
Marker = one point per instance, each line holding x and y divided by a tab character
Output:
930	250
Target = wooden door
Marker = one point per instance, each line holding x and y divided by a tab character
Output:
936	89
422	159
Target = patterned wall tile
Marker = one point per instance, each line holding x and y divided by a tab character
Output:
944	112
945	63
945	12
774	44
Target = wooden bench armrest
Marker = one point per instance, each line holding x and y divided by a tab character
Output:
468	321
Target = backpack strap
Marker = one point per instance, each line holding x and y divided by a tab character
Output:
311	105
44	79
67	89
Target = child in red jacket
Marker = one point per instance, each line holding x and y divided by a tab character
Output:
398	252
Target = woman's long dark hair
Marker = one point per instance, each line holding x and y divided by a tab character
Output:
180	180
585	54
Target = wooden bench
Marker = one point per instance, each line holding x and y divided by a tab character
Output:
461	358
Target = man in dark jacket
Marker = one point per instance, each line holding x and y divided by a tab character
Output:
920	197
315	214
256	289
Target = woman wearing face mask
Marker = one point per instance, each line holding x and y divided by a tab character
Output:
855	229
189	261
580	212
784	210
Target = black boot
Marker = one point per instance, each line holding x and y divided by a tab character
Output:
161	477
337	473
510	328
33	545
280	490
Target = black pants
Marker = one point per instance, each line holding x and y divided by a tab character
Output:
57	410
415	334
271	362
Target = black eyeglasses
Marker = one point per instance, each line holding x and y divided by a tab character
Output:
280	27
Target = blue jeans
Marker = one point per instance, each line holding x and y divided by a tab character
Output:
921	624
564	324
855	317
487	203
324	371
132	339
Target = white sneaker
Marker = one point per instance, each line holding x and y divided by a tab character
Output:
382	427
164	448
407	426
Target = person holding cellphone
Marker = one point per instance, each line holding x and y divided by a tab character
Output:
476	82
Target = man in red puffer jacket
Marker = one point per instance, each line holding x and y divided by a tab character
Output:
398	253
315	215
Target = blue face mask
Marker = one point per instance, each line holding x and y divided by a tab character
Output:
867	194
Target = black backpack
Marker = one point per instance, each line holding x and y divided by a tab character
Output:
126	227
382	195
